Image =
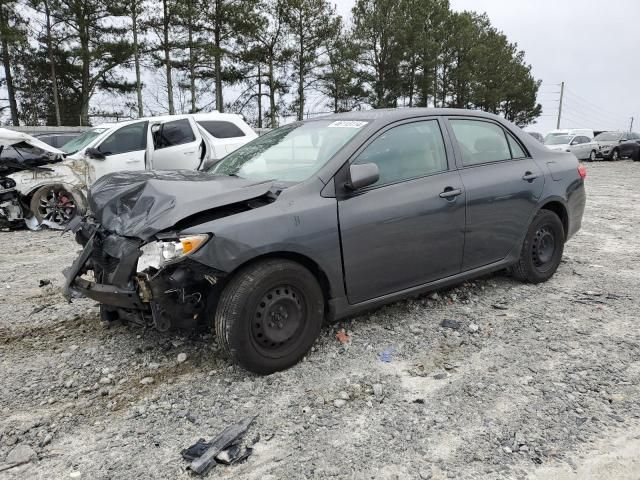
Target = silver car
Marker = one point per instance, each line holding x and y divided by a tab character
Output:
580	145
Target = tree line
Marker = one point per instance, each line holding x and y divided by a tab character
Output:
264	59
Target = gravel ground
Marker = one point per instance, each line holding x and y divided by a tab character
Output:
539	382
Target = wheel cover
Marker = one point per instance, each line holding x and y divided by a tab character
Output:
615	155
592	156
57	206
278	320
543	248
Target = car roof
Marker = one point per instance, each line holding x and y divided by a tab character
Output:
197	116
393	114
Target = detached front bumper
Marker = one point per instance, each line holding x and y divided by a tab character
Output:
177	295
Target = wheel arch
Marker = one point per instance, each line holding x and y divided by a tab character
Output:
307	262
559	209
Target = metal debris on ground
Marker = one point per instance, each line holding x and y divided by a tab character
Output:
224	449
452	324
342	336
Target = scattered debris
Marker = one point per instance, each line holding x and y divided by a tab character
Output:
182	357
500	306
205	455
147	381
44	283
343	337
386	355
473	328
452	324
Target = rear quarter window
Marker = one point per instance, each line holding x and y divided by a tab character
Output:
221	129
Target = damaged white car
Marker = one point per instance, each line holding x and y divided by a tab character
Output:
54	192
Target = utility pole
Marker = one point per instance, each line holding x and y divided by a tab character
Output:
631	125
560	106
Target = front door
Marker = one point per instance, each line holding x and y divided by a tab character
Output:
503	186
408	228
124	149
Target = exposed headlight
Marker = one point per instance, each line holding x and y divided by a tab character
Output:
7	183
159	253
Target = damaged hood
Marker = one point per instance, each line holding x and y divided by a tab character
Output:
9	138
141	204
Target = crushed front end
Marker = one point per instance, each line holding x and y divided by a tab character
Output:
11	208
149	283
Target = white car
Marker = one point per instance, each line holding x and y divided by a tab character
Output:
57	192
581	146
572	132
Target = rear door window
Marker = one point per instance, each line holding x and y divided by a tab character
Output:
221	129
170	134
481	142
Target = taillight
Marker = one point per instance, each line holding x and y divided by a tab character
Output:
582	171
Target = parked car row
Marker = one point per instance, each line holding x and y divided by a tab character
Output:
612	145
48	185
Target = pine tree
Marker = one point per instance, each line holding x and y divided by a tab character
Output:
11	36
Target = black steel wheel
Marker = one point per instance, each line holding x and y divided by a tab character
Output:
542	249
269	314
56	205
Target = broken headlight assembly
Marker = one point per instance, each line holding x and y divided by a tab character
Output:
159	253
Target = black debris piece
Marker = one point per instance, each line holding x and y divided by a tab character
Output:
233	454
44	283
223	449
500	306
453	324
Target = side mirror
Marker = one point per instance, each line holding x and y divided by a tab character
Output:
95	154
362	175
575	142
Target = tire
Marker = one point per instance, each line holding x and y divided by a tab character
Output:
269	315
615	155
592	156
542	249
57	204
636	157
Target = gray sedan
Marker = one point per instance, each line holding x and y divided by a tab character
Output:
324	219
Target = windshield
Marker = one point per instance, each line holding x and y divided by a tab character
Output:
608	136
291	153
82	141
557	140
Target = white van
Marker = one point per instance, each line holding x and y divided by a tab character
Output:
572	132
57	192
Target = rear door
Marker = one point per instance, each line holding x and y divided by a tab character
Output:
177	145
503	185
124	149
408	228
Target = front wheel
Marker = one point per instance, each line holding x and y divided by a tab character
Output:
55	205
592	156
615	156
542	249
269	315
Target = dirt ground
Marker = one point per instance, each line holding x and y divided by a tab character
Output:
535	382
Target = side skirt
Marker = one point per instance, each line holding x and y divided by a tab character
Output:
340	307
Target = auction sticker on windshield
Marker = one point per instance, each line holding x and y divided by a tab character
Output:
347	124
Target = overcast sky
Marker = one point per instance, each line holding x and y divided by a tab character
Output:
593	46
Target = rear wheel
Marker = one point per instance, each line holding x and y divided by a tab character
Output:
56	205
542	249
269	315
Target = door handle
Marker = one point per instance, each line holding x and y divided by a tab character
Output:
529	177
450	193
132	161
189	153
